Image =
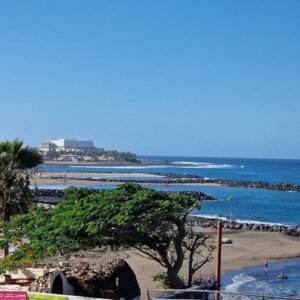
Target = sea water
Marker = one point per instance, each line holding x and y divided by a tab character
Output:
256	279
270	170
256	205
246	205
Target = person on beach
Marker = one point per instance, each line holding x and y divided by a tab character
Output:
266	266
283	275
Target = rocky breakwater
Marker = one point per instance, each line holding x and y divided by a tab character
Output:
185	178
206	222
114	280
173	178
54	196
289	230
48	196
284	187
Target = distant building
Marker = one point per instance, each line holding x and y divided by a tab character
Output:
67	145
48	146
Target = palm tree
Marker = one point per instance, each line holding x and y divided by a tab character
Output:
15	194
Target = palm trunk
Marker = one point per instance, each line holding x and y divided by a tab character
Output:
6	250
5	221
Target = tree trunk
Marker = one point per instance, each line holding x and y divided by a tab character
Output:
174	280
6	250
6	246
4	217
190	271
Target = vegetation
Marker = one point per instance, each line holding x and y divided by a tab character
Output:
97	155
15	195
155	223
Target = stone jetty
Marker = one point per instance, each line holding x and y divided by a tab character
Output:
49	196
173	178
285	229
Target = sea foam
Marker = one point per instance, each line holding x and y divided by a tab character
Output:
202	165
238	281
241	221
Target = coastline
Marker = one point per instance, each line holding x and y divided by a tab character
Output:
76	174
249	249
167	178
63	181
105	163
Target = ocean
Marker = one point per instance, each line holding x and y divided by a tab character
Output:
248	205
267	283
255	205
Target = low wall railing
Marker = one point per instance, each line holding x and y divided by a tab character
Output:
160	294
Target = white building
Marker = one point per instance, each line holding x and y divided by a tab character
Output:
48	146
67	145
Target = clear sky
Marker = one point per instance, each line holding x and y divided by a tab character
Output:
194	78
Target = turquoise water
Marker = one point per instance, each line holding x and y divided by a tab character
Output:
271	170
248	204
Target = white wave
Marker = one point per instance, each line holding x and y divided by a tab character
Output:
268	288
259	222
212	166
243	283
238	282
201	165
241	221
176	164
212	217
190	163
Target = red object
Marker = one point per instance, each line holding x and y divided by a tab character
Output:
207	224
218	266
13	295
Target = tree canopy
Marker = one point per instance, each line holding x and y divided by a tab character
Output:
15	194
130	216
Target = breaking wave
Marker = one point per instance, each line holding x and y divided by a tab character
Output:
244	283
238	282
203	165
241	221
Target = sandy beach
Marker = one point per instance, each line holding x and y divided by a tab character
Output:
49	181
142	163
44	178
93	174
249	248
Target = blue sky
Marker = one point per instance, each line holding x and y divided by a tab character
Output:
194	78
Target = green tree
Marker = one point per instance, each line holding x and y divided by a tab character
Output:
155	223
15	195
